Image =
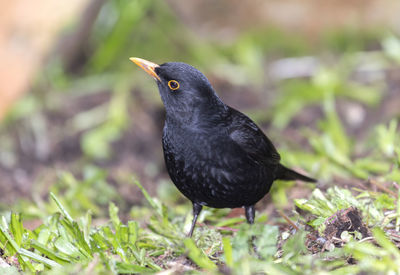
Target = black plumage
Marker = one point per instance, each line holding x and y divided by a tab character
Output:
215	155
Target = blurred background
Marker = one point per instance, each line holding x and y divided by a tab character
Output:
79	119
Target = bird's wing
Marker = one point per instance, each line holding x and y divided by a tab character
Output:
245	133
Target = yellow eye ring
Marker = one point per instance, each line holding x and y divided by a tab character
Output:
173	85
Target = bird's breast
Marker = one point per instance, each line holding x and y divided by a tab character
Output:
207	167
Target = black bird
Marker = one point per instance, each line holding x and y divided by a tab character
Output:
215	155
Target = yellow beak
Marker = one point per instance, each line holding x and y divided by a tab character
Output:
147	66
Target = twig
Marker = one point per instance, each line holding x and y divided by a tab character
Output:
283	215
383	188
366	239
397	237
398	211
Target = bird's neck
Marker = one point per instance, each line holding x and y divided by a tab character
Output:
203	115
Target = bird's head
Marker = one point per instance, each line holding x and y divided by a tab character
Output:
184	90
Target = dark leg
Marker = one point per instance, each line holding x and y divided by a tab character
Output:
196	211
250	213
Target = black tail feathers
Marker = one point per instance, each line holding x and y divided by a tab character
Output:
284	173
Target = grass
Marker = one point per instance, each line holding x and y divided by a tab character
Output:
67	243
63	244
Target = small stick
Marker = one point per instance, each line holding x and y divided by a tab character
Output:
226	228
283	215
398	211
383	188
366	239
397	237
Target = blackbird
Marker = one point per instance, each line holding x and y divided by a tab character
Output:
215	155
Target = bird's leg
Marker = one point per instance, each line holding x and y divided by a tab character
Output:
250	213
196	211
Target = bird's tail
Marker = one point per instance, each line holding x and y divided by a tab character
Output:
285	173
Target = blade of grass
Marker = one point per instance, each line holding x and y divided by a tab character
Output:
384	241
61	207
43	236
198	256
113	212
67	248
227	251
38	258
229	222
49	253
26	264
133	228
14	247
146	195
16	227
128	268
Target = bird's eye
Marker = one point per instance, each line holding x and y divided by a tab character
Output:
173	85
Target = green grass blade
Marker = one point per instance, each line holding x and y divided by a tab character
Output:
99	242
227	251
384	241
198	256
26	264
61	207
146	195
12	245
113	212
38	258
122	234
16	227
44	236
128	268
133	230
229	222
49	253
67	248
